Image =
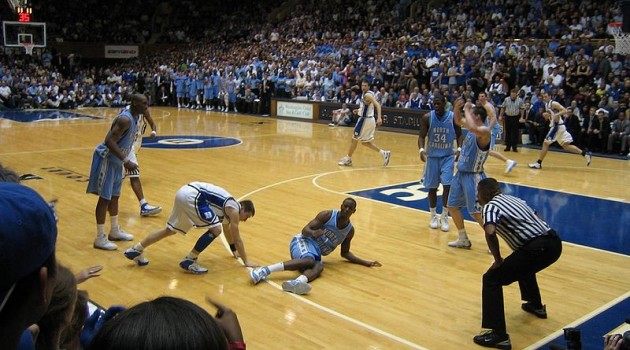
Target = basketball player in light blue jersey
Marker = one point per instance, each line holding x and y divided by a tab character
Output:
482	100
201	205
191	88
180	89
216	88
106	173
555	112
366	126
442	131
208	93
321	236
230	89
469	168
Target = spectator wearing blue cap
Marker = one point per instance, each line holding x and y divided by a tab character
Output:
28	233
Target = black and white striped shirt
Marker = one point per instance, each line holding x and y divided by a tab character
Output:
515	221
513	107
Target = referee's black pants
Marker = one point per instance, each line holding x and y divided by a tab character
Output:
512	127
522	266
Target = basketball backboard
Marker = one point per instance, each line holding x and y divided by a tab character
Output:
18	33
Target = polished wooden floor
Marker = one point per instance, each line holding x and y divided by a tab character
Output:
426	296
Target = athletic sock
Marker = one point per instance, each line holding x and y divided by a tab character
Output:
302	279
462	234
143	202
100	229
539	161
276	267
192	256
114	221
433	211
138	247
444	211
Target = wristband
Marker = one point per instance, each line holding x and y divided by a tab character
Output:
127	158
153	133
233	247
237	345
421	150
459	149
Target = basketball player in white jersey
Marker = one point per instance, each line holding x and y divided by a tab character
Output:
200	205
364	130
554	112
482	100
134	175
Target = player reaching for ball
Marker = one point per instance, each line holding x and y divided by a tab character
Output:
321	236
558	132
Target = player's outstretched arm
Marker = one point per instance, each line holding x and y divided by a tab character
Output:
230	240
347	254
233	215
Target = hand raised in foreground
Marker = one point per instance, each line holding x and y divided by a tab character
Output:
228	321
86	274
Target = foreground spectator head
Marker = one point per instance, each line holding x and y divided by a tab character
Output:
71	334
60	311
28	233
8	175
163	323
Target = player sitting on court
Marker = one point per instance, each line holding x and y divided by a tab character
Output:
321	236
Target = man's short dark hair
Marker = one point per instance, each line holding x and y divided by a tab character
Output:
248	206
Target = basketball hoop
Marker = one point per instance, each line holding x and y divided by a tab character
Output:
28	47
622	40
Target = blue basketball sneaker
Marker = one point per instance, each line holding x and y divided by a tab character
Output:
190	265
258	274
136	256
149	210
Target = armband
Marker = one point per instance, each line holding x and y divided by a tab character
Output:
459	149
233	247
237	345
421	150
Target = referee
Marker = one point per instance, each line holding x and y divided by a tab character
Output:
535	247
514	110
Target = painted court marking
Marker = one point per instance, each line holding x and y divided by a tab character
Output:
314	181
311	303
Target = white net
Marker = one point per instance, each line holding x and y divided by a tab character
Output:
28	47
622	43
622	40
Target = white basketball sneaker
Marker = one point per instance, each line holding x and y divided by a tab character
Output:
386	156
101	242
345	161
444	224
535	165
511	164
460	243
118	234
434	222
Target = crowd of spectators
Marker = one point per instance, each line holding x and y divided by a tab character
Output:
324	48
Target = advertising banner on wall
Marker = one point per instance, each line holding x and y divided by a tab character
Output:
295	110
121	51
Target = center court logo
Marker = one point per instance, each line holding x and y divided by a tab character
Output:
189	142
411	195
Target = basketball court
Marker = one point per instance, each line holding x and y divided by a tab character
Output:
426	295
